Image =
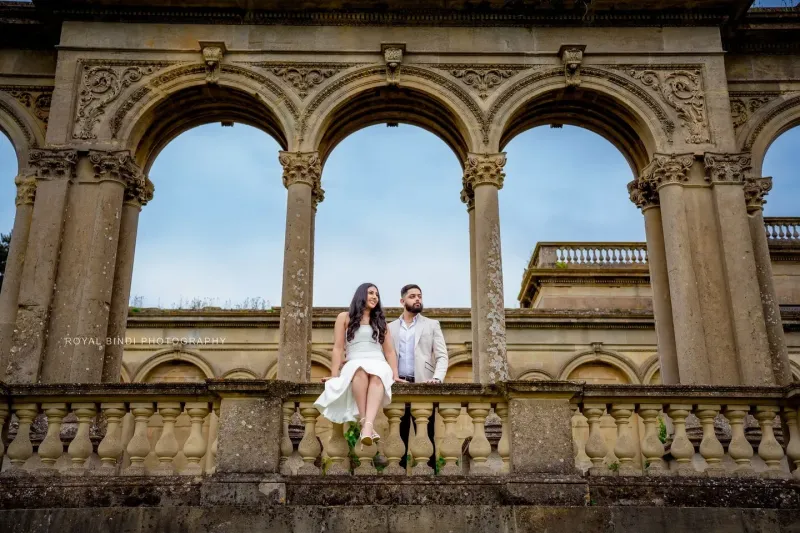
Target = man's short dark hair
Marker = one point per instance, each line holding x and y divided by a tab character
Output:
407	288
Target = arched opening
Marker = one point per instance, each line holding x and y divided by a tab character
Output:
599	374
8	191
392	215
175	372
459	373
780	162
213	234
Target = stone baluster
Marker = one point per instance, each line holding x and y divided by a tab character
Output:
309	447
51	449
110	448
625	448
479	448
21	449
287	448
739	448
789	416
450	446
504	445
167	446
212	462
195	446
596	448
710	447
366	455
421	447
682	449
337	452
139	445
769	449
80	449
394	448
3	416
652	447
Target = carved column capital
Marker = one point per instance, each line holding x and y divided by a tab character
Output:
139	190
53	164
755	192
114	166
642	194
301	167
468	197
665	169
484	169
727	168
317	195
26	189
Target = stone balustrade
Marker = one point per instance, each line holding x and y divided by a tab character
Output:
246	426
590	254
652	439
783	230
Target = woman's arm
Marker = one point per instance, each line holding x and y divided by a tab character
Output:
390	354
338	343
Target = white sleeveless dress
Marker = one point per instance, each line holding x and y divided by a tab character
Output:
337	403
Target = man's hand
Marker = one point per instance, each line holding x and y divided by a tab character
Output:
398	380
433	380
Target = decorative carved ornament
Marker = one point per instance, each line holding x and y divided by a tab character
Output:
139	190
100	85
755	191
727	168
393	56
642	194
303	77
301	167
681	87
53	164
468	196
26	190
792	101
212	57
743	105
35	99
572	56
114	166
665	169
483	79
484	169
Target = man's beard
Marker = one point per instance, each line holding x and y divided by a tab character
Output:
415	309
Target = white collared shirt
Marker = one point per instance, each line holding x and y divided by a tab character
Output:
405	347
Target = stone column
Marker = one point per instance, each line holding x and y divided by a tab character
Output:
646	199
84	284
727	173
54	173
317	196
468	197
138	192
483	173
664	175
755	189
12	278
301	176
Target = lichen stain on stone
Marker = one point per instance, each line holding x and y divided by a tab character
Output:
496	342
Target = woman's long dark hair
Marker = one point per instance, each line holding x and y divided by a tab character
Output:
376	318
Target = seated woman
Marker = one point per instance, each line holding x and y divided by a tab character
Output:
364	383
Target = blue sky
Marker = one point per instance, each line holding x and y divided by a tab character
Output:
392	213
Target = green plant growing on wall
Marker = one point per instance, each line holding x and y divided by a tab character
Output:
662	430
351	436
561	264
614	467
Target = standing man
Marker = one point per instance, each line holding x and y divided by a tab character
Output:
421	353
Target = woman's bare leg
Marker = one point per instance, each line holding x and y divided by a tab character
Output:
360	386
374	398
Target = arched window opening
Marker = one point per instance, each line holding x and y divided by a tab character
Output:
8	193
175	372
781	163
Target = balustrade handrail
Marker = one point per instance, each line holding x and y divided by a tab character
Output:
589	255
782	230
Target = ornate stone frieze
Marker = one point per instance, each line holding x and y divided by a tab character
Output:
114	166
743	105
212	57
727	168
53	164
791	102
665	169
572	56
303	77
681	87
26	190
34	98
100	85
483	79
484	169
642	194
393	56
755	191
301	167
125	108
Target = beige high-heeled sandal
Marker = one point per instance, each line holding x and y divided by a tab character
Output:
368	440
